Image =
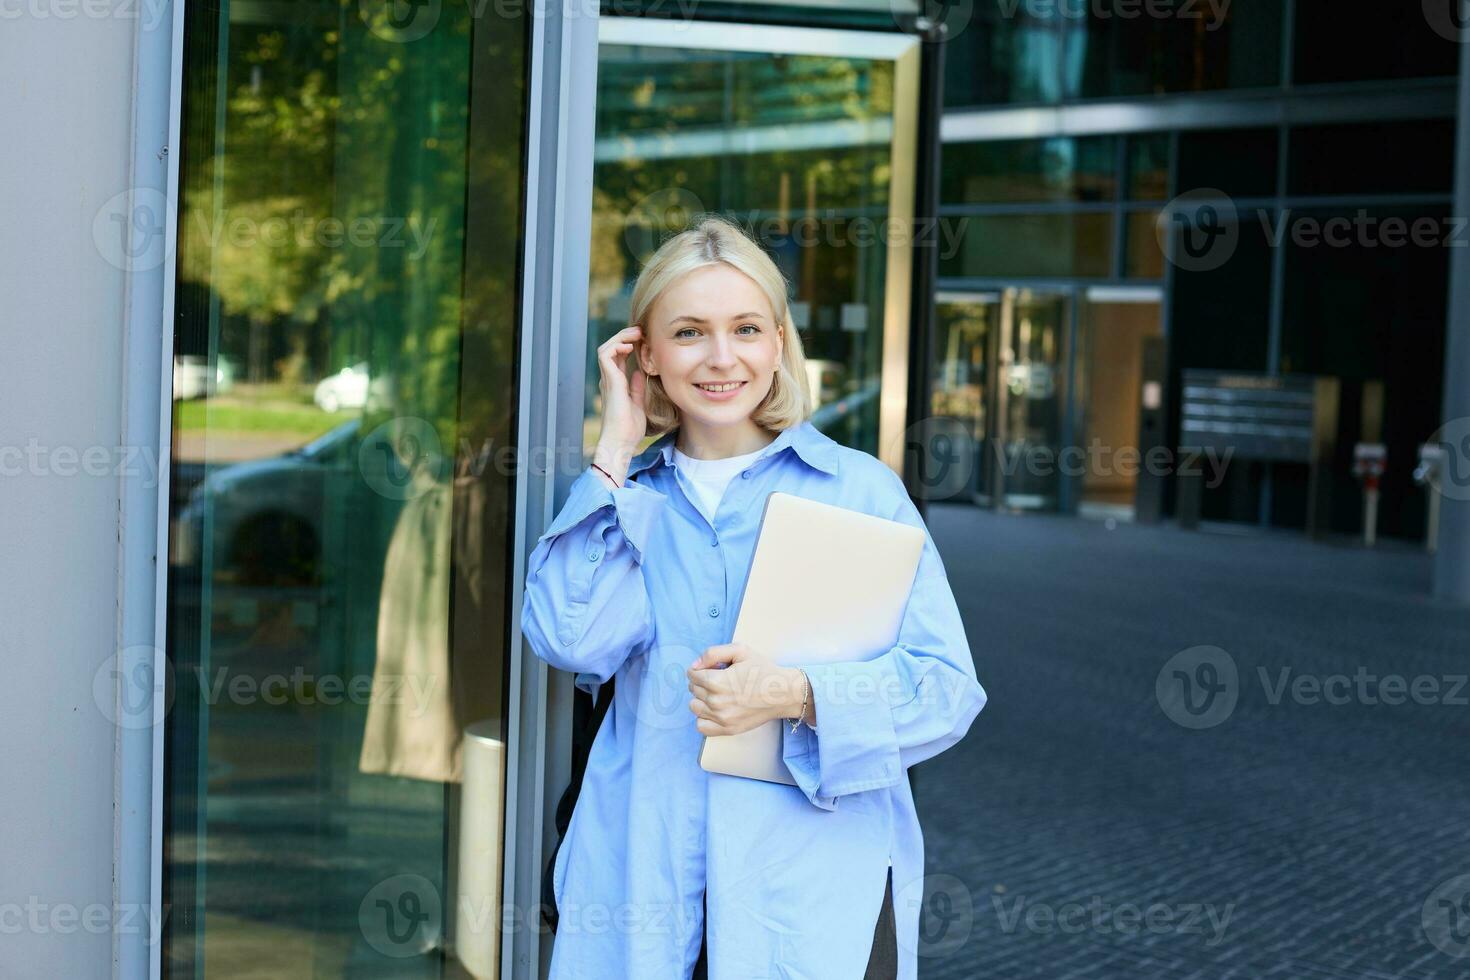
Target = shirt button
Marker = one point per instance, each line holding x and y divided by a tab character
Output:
714	610
714	542
593	555
745	475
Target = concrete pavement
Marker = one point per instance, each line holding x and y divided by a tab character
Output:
1309	817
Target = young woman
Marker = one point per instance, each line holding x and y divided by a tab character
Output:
666	870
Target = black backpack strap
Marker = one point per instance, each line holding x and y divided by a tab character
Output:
584	729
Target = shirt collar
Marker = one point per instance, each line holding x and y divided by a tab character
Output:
811	445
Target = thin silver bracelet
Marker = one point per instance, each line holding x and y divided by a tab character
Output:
806	690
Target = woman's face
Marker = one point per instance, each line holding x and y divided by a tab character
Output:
712	327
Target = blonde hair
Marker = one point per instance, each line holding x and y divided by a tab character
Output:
715	241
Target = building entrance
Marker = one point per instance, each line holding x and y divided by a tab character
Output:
1049	385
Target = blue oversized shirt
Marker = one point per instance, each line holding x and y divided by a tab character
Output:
636	583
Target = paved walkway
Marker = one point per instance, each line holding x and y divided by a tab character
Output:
1293	823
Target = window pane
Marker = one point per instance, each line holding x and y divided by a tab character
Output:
1240	162
670	89
1062	169
346	321
1121	49
1145	257
1368	39
1060	245
1220	318
1222	315
1148	167
1008	53
1378	158
1369	306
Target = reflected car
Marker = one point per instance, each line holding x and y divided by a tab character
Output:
833	412
348	389
193	374
268	513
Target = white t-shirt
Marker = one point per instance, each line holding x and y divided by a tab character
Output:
710	477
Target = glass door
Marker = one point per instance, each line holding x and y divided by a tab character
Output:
1031	363
1001	362
806	138
967	335
1001	358
349	240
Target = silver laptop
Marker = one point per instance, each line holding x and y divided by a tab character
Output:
825	584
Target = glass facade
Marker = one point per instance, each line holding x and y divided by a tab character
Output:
1239	162
1373	158
1063	207
344	382
1057	170
796	147
1073	212
1045	245
1361	40
1006	54
1370	313
1029	53
1119	49
1011	53
1148	167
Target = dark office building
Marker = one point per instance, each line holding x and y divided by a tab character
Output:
1325	133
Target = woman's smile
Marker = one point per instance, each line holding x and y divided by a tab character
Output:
721	391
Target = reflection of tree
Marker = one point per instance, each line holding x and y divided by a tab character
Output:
400	153
653	89
333	205
319	119
272	164
327	203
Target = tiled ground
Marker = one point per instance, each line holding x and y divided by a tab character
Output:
1076	806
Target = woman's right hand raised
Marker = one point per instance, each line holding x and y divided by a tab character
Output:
624	421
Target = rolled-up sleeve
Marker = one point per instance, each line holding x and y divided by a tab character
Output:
585	607
878	717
